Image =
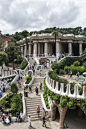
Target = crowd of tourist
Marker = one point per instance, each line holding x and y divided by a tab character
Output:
64	55
6	119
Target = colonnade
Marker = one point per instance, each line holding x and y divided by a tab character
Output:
49	48
37	49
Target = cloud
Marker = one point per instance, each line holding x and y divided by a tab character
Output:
18	15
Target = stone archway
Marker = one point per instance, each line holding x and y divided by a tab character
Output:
62	113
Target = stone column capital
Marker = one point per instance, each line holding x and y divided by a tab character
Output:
70	41
80	41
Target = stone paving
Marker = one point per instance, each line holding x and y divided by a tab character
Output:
35	125
73	78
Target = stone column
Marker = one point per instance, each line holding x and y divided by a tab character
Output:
80	48
46	49
29	49
35	50
38	49
53	112
57	49
22	51
25	50
62	112
70	48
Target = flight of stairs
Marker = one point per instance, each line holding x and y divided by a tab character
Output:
33	101
32	104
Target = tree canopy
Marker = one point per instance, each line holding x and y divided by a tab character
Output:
3	58
76	31
13	52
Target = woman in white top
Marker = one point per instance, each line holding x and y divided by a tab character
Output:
29	120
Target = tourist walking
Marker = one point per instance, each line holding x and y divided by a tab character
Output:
36	91
44	121
41	86
29	120
43	112
77	74
70	74
38	110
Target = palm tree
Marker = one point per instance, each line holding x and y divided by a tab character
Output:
55	33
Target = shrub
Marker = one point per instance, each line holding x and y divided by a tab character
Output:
28	79
63	101
76	69
24	64
66	68
3	101
61	71
62	64
84	64
14	88
72	103
16	102
76	63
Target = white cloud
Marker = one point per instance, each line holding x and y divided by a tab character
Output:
18	15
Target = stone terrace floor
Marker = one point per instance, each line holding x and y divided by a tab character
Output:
73	78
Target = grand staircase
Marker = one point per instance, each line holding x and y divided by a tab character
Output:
33	101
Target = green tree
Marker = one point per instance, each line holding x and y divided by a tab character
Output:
12	52
55	33
84	55
3	58
14	88
25	33
16	102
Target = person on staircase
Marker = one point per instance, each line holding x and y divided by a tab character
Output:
38	110
36	91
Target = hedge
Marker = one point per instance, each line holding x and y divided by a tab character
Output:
28	79
23	64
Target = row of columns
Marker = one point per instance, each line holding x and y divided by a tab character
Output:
58	50
40	49
47	48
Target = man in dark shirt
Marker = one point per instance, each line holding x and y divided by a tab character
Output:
44	124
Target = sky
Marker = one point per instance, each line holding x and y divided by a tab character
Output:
34	15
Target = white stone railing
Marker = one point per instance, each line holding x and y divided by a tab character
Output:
24	108
59	89
37	61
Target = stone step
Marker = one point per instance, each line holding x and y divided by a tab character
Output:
32	119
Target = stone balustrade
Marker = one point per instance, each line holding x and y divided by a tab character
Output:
59	89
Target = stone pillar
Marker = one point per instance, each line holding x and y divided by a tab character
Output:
70	48
53	112
57	49
35	50
38	49
22	51
80	48
25	50
29	49
62	112
46	49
